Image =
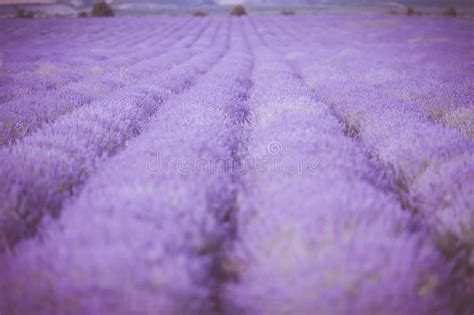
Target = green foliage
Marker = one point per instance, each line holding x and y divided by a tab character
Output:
410	12
101	8
199	13
23	14
451	11
238	10
287	12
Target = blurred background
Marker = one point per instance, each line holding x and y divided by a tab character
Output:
56	8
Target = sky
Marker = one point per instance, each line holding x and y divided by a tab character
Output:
222	2
183	2
26	1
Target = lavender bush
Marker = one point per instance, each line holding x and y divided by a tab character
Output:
432	177
252	165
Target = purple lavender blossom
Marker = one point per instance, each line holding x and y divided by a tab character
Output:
252	165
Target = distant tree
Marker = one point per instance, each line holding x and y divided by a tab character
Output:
83	14
101	8
410	12
287	12
238	10
199	13
23	14
451	11
393	12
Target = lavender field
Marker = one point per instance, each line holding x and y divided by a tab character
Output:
243	166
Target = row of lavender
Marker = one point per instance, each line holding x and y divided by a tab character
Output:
165	267
324	239
150	231
42	52
39	172
30	105
400	59
433	166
